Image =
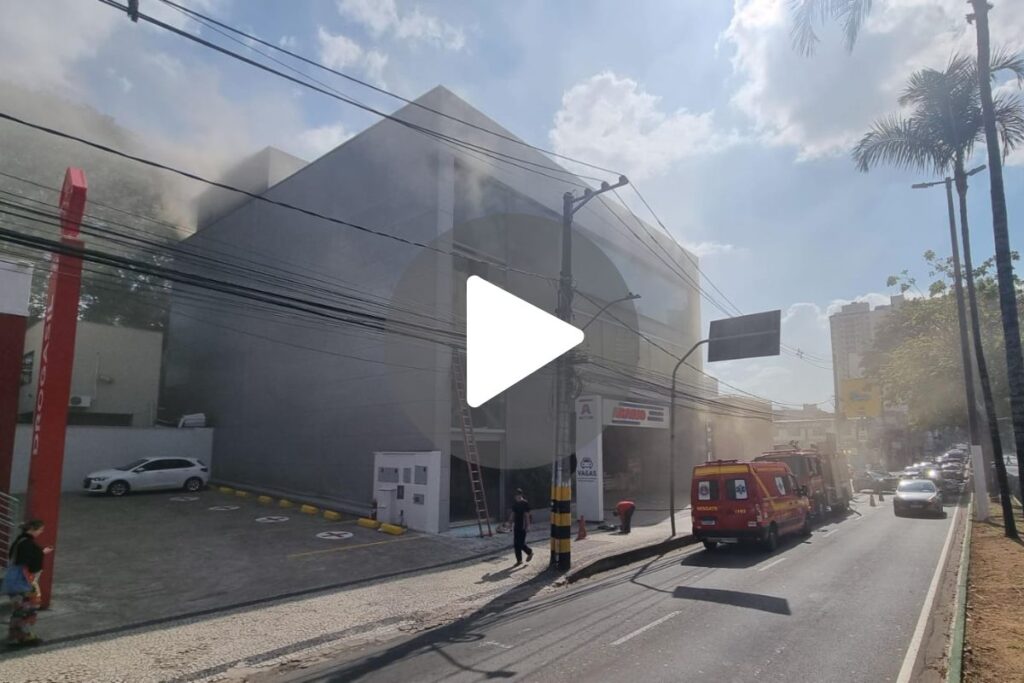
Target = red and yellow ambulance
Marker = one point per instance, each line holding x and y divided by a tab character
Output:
735	501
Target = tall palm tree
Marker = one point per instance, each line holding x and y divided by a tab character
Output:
945	122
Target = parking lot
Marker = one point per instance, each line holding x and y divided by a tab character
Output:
146	557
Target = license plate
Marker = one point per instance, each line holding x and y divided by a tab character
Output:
708	522
725	540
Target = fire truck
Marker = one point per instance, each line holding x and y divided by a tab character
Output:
824	471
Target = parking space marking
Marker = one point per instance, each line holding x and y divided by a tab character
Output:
353	547
221	508
771	564
272	519
184	499
334	535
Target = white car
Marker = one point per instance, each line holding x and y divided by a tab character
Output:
148	474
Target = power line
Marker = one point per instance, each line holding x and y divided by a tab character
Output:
202	18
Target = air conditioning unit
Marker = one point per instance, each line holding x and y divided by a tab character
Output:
78	401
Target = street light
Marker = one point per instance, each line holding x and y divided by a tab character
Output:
629	297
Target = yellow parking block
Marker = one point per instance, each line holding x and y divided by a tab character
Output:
392	529
368	523
226	489
285	503
309	509
266	500
332	515
242	494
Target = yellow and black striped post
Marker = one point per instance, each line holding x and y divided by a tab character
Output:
561	527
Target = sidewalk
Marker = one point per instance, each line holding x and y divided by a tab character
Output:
226	645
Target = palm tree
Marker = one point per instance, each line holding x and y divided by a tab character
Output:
809	14
946	121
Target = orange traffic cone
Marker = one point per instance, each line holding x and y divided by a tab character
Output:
871	499
583	529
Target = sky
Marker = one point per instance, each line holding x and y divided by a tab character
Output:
740	144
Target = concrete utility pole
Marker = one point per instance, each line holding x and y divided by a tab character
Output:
561	490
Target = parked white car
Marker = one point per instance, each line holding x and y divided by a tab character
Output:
148	474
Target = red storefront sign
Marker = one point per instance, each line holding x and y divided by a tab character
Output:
56	355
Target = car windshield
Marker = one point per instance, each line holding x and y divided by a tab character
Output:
916	486
132	465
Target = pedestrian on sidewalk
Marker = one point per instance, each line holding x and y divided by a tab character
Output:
519	517
624	511
21	583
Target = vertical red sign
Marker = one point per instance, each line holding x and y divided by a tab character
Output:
55	362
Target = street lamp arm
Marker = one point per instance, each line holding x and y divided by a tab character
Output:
628	297
580	202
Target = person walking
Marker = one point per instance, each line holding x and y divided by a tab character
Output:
519	517
21	583
624	511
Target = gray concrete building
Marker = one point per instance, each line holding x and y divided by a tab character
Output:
300	403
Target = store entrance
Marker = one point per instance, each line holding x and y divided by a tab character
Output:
636	468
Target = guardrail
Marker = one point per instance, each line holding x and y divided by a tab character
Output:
10	517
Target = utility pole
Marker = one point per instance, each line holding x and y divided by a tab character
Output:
961	311
565	395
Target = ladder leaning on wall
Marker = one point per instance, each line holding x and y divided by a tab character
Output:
476	475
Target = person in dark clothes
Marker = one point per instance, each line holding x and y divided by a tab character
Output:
28	555
624	511
520	519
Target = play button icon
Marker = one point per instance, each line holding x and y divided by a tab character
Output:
507	339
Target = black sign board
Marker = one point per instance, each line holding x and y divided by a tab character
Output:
745	336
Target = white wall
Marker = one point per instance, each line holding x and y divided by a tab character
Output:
88	449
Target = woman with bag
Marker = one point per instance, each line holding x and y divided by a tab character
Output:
21	583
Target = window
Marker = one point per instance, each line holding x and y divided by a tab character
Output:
406	475
736	489
178	464
417	499
387	475
707	489
420	475
780	485
27	363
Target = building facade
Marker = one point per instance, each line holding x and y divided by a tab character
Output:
115	379
301	403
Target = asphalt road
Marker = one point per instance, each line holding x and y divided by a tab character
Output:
841	605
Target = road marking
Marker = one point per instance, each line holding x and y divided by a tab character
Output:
272	519
907	670
353	547
771	564
222	508
334	535
184	499
494	643
634	634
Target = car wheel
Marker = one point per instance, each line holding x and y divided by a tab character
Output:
118	488
193	484
710	545
771	539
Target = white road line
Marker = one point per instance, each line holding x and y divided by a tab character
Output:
640	630
771	564
907	670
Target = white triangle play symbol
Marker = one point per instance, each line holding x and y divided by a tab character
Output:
507	339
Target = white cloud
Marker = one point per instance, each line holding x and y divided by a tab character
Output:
341	52
822	105
707	248
382	17
613	121
288	42
315	142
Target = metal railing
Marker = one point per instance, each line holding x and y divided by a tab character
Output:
10	518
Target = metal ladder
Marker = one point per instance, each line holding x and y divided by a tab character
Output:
9	519
476	475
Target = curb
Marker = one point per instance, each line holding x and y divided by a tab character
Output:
955	657
603	564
